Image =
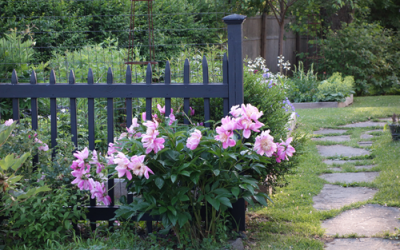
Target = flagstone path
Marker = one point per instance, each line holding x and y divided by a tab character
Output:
367	223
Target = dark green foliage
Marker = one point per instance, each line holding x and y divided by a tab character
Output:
367	52
268	100
47	216
69	25
303	86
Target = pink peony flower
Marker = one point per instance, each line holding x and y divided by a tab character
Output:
280	153
265	144
194	140
82	155
131	130
251	112
151	142
172	118
248	125
111	149
236	111
9	122
98	191
161	109
122	166
96	162
289	149
138	167
82	178
225	137
144	116
191	111
228	124
44	147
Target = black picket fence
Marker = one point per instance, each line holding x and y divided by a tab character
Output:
231	90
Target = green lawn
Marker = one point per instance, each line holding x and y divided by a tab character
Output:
291	222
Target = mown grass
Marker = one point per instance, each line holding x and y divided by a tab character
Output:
291	222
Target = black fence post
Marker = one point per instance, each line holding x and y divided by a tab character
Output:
235	82
235	41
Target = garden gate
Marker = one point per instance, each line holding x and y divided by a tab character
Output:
231	90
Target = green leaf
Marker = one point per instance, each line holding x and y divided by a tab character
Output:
239	167
173	218
213	202
225	201
66	215
185	173
182	219
172	209
5	132
172	154
18	162
184	198
216	172
162	210
261	199
173	178
179	147
235	191
159	182
174	200
233	156
221	191
195	177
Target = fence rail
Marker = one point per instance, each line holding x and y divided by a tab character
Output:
231	90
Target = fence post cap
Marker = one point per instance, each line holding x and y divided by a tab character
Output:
234	19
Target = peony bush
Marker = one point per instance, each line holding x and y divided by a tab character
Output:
175	170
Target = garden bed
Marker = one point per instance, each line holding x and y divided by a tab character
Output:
315	105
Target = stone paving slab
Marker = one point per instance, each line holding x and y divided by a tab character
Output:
366	136
363	244
335	197
335	150
338	138
329	131
364	124
365	167
350	177
335	169
330	162
368	220
365	143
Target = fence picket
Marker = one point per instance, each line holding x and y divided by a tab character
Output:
91	129
186	81
149	76
206	100
53	113
72	111
91	113
167	78
225	81
128	101
15	101
110	130
34	103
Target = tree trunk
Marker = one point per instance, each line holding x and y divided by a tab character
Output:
281	30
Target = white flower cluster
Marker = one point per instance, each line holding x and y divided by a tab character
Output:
257	64
281	64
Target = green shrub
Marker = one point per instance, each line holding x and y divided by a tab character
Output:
335	88
270	100
367	52
302	86
47	216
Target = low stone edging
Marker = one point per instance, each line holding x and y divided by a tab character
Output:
315	105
